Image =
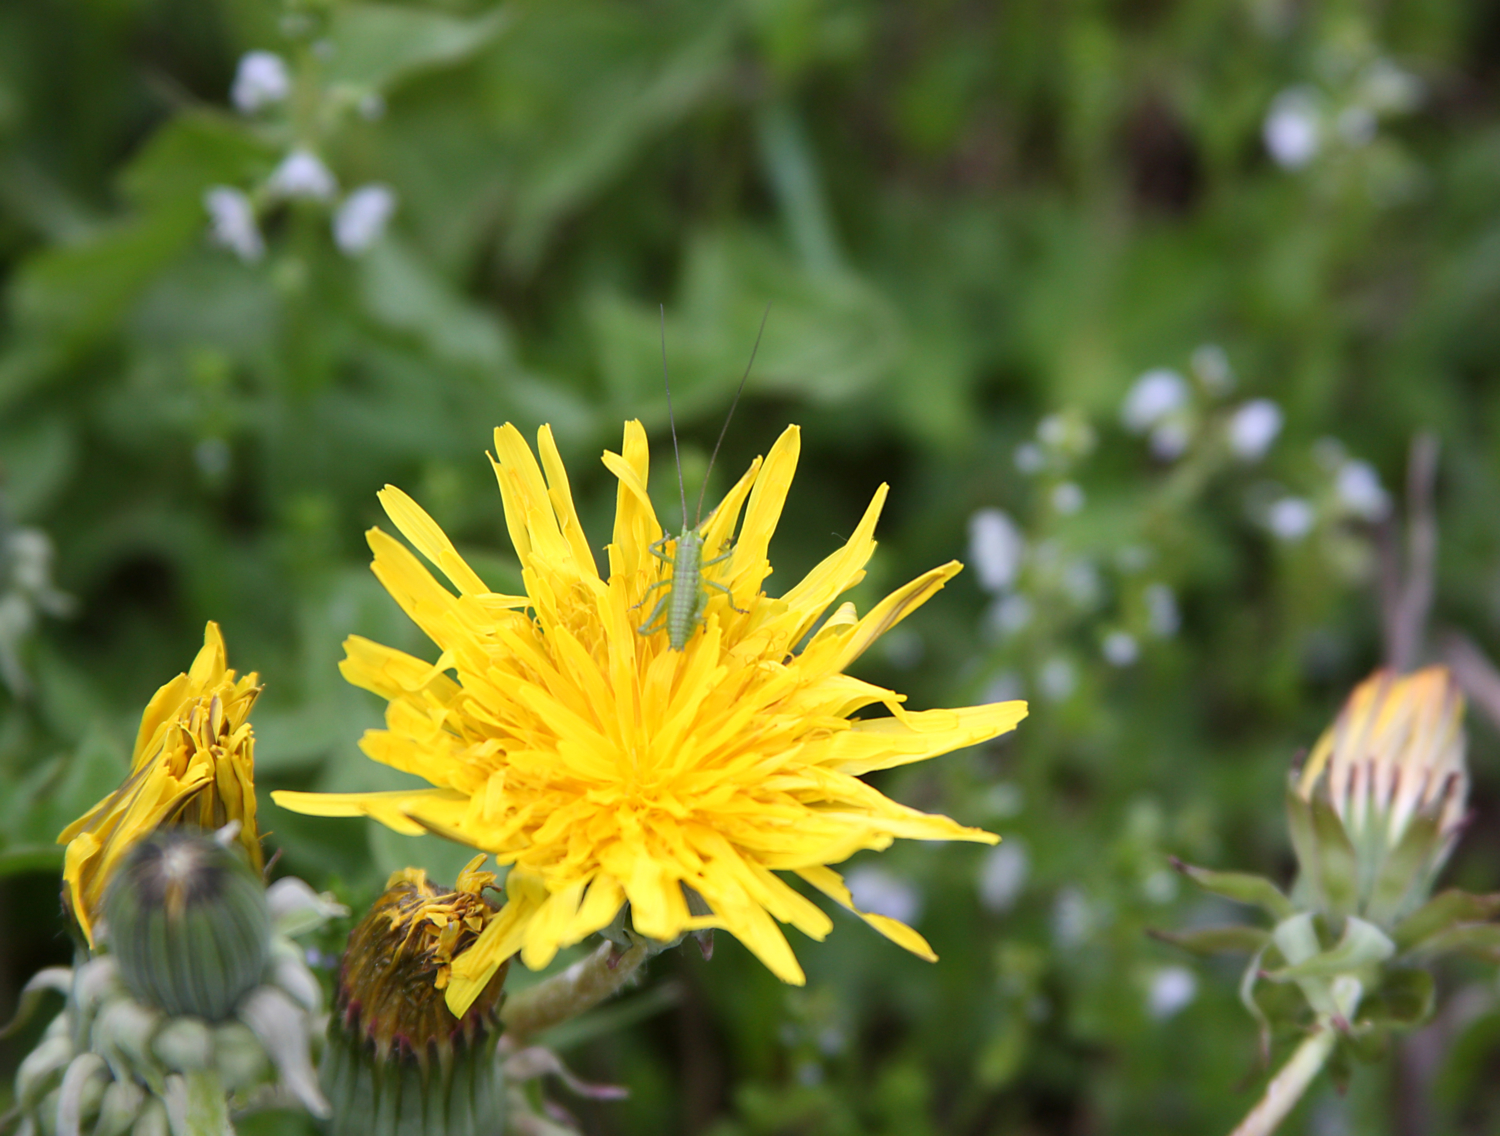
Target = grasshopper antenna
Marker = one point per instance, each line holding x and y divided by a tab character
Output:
725	428
681	487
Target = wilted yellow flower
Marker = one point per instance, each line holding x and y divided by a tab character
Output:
193	764
605	767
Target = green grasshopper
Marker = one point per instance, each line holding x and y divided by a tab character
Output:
681	610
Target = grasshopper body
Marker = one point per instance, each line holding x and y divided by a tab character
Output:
681	610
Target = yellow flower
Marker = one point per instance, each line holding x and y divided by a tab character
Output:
605	767
1395	752
193	764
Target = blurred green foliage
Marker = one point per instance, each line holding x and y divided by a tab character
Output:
966	217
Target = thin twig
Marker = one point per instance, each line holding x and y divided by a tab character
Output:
1405	632
1478	677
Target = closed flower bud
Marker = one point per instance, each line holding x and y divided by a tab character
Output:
398	1061
1377	807
188	925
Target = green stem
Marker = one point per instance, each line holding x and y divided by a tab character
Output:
1287	1087
581	987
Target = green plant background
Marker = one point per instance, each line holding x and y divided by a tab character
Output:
965	216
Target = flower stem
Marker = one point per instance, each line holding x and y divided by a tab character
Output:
581	987
1287	1087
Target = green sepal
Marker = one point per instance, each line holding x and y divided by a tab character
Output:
1404	998
1366	1046
1338	864
1247	998
1340	1069
1441	912
1242	887
1362	945
196	1104
1481	940
1237	939
1398	885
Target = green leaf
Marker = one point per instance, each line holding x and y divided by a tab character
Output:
21	858
1441	912
1241	887
1404	998
1481	940
1216	940
374	46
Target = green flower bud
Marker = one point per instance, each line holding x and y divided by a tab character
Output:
188	924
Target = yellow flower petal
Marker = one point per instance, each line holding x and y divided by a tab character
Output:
607	768
194	763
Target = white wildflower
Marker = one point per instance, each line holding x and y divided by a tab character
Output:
1002	876
302	174
361	219
1057	679
1067	497
1293	128
1253	427
260	80
1291	518
1073	918
1210	366
1161	610
1170	439
1121	649
1171	991
1029	458
996	547
877	890
1359	489
1155	395
232	220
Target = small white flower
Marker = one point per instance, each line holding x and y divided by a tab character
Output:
1121	649
1359	489
361	219
232	218
1029	458
1253	427
1390	90
1067	497
1170	439
1073	918
996	548
1291	518
1004	687
1052	430
302	174
1293	128
1210	366
1080	579
1010	615
1161	610
261	79
1155	395
1172	990
878	891
1002	876
1057	679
